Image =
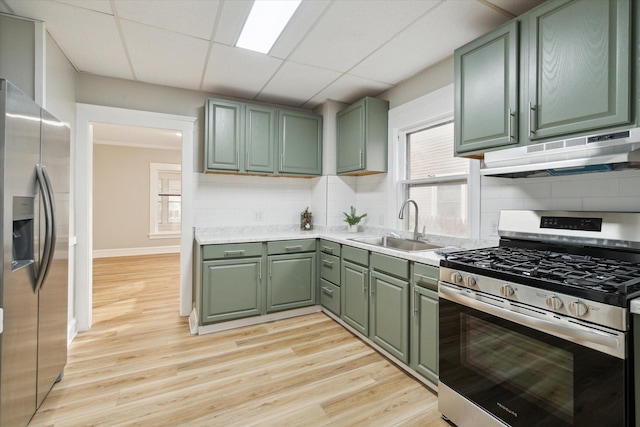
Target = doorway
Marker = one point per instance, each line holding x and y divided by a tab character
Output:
83	180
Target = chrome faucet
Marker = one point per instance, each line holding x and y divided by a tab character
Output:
416	235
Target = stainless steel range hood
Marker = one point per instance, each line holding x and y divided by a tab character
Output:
597	153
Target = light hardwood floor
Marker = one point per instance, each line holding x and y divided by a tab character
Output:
139	365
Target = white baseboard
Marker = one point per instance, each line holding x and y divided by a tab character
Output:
152	250
72	330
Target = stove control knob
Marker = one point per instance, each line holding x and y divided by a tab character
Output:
506	290
456	277
554	303
469	281
578	308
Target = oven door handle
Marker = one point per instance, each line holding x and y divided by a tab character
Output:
598	340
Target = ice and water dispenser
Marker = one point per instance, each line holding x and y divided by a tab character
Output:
23	229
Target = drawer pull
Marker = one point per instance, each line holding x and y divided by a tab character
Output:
327	263
238	252
327	250
293	248
327	291
424	279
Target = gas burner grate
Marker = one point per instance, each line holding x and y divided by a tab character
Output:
581	271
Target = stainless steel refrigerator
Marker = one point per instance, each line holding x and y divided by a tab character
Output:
34	178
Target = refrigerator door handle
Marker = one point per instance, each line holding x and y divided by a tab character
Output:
46	256
52	231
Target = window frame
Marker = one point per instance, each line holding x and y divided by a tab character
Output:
472	178
154	170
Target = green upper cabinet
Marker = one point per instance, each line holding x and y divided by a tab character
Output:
260	139
223	135
579	66
560	70
362	137
486	91
300	143
257	139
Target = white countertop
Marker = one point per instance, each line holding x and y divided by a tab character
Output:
222	235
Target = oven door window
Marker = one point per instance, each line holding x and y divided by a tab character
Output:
526	377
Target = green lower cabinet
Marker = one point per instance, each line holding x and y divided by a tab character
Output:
424	322
291	281
389	321
354	288
231	289
330	296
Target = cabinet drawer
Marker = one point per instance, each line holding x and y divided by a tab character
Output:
359	256
234	250
330	248
391	265
330	268
330	296
426	276
291	246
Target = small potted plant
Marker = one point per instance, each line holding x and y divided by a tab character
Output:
353	220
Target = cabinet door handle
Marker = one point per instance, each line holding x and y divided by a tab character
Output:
327	250
371	290
532	108
293	248
239	252
327	263
270	262
259	270
415	301
327	291
509	118
364	276
361	158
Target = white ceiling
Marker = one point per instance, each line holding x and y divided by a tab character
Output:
332	49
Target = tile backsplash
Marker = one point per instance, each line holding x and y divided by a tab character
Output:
237	200
610	191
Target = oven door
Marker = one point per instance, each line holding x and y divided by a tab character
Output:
525	376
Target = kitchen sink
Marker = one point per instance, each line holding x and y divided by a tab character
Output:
390	242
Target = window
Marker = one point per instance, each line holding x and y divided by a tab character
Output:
437	181
165	206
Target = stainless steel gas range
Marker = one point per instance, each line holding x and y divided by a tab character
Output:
537	331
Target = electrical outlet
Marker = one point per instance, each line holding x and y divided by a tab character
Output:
257	216
494	229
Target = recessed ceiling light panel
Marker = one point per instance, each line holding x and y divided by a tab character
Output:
265	23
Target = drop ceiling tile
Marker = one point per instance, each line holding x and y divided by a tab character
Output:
191	17
348	89
231	21
102	6
89	39
164	57
429	40
351	30
238	72
302	21
516	8
294	84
